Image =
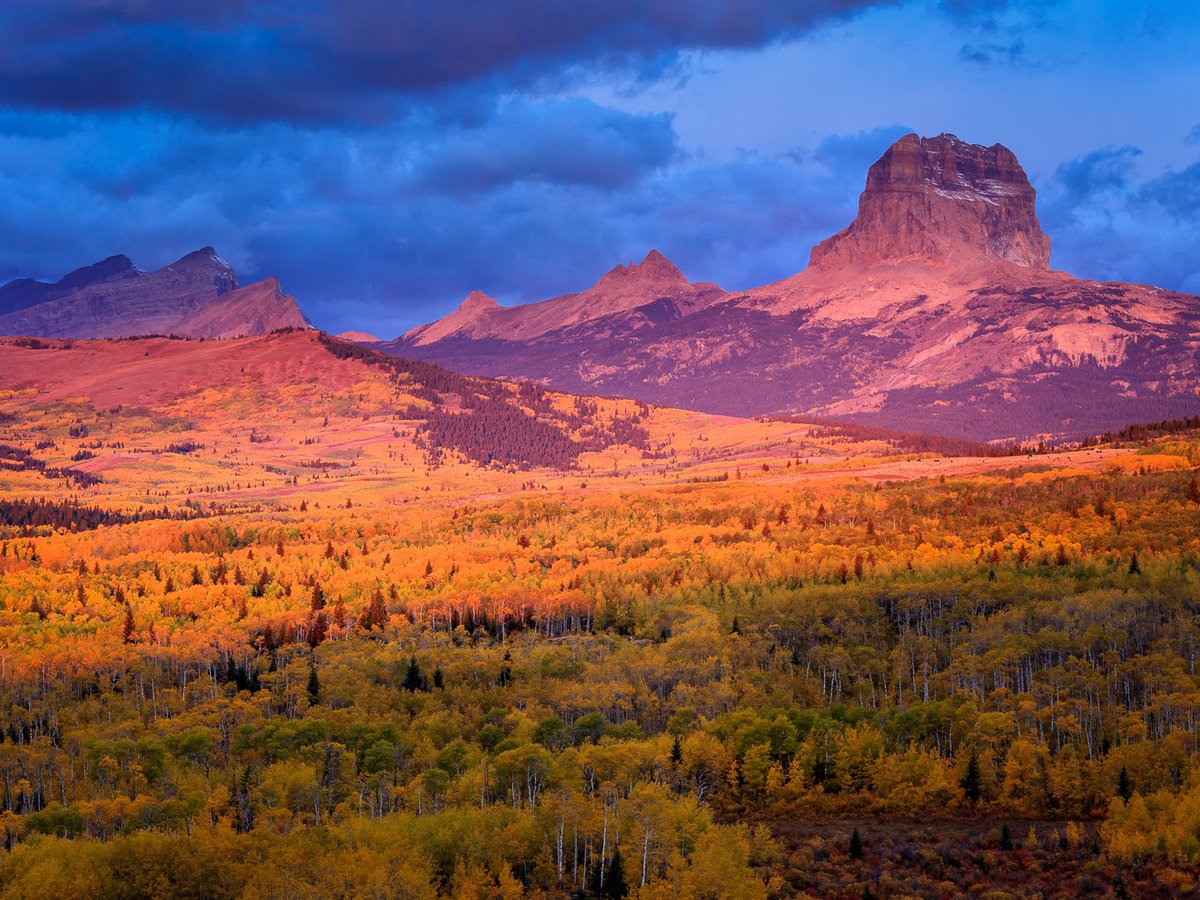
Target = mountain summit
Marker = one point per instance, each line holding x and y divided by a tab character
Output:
655	269
639	293
196	296
941	201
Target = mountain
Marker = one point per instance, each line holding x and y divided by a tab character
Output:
628	297
258	308
25	292
358	337
934	310
938	201
197	297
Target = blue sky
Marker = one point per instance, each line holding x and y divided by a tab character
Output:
385	159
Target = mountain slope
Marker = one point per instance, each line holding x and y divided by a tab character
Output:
25	292
640	294
258	308
934	310
196	296
288	377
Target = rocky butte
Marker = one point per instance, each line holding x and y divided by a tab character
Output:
934	310
904	215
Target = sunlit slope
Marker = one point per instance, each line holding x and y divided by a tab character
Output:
291	415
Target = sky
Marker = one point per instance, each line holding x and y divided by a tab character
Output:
385	159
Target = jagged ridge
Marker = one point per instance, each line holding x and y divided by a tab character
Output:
196	296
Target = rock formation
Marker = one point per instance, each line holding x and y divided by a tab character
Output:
941	201
196	296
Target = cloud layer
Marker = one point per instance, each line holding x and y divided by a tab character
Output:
385	159
350	60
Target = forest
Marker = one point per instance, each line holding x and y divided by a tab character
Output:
671	692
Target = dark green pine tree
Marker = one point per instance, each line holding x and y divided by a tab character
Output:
314	686
412	676
1124	786
676	753
856	845
972	780
439	681
614	878
1134	568
1006	837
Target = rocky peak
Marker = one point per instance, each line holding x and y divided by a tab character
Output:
206	263
478	301
941	200
654	268
110	269
26	292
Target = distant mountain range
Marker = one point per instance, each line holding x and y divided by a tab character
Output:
197	297
935	310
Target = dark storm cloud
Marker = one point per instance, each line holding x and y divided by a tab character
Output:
1109	224
848	156
350	60
568	142
384	228
1178	194
992	53
1099	172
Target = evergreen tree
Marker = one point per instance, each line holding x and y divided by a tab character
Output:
412	676
439	681
676	753
1006	837
1134	568
318	629
1124	786
127	628
614	878
856	845
375	615
972	780
314	686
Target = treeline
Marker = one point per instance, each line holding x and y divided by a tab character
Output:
1146	431
518	426
909	441
17	458
24	516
